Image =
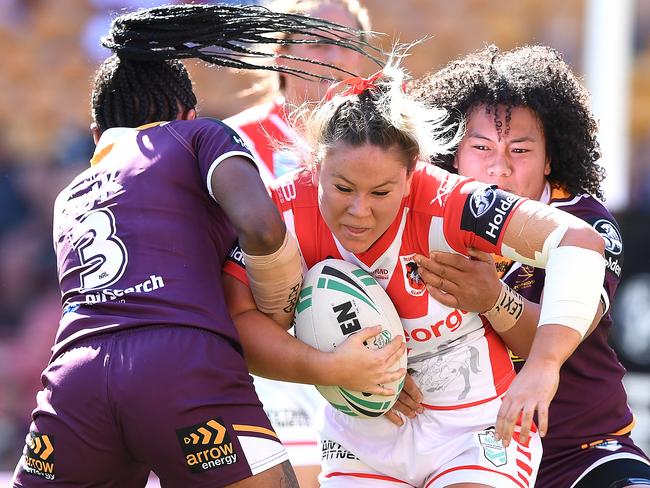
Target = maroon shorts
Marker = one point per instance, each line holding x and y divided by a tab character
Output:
562	467
175	400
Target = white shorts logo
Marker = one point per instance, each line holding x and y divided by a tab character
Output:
493	450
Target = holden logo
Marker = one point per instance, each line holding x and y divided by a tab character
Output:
482	201
613	241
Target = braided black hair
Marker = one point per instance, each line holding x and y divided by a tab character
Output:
144	81
535	77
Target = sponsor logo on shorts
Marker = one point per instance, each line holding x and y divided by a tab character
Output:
606	444
288	417
493	450
486	211
38	456
206	446
334	450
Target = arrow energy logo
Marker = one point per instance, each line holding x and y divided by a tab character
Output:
206	446
39	455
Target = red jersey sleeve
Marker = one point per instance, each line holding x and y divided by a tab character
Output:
467	212
476	215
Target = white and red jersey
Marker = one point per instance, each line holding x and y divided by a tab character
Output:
456	359
269	136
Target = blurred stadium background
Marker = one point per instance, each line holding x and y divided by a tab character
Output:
49	50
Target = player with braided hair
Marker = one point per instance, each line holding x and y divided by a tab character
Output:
147	371
530	129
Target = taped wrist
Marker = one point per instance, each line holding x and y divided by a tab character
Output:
574	278
506	311
275	280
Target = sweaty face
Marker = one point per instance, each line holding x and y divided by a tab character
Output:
360	190
515	160
298	90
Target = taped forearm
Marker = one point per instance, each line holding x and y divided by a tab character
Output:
275	280
534	230
574	278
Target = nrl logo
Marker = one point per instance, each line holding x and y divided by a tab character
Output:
493	450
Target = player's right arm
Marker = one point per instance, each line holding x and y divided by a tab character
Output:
273	353
572	253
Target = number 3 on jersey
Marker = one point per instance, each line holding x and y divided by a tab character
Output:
101	252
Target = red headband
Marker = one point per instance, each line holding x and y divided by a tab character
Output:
355	85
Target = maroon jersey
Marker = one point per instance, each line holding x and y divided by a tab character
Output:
138	237
591	403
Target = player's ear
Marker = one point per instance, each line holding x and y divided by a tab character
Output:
186	114
547	166
409	178
94	130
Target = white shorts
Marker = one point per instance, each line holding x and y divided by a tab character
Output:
296	413
434	450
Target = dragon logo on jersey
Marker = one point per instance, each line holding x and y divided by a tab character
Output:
482	201
493	450
412	281
613	240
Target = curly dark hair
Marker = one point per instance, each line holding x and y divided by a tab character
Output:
535	77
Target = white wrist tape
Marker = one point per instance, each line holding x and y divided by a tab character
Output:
506	311
275	280
574	279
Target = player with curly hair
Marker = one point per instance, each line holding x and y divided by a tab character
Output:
530	130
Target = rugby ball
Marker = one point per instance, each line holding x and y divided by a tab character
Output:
338	299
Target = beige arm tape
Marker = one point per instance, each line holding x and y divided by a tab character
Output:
506	311
533	231
275	280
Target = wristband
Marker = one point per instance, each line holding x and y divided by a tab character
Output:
506	311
